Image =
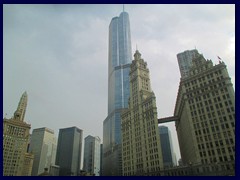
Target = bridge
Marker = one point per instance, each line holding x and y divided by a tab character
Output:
168	119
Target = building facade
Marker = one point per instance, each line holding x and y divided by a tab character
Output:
185	61
166	145
27	164
69	150
205	107
91	161
141	150
16	160
43	145
119	59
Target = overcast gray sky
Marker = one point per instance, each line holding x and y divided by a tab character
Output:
59	55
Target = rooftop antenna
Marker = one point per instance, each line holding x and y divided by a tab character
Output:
136	47
123	7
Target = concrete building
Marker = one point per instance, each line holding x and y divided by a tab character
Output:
16	160
185	61
27	164
141	152
205	108
119	60
69	150
166	146
91	161
43	145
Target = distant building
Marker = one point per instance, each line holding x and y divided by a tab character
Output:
166	145
141	150
45	173
43	145
119	60
16	160
54	170
69	150
101	157
205	107
91	161
180	163
185	61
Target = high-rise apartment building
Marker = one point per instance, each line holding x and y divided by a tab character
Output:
91	161
119	59
166	145
141	151
205	107
185	61
69	150
43	145
16	160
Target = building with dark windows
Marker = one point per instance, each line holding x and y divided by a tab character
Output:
205	108
91	159
141	150
119	59
69	150
185	61
166	146
16	134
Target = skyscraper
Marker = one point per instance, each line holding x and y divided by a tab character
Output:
185	61
166	146
119	59
141	150
69	150
205	107
91	159
43	145
16	160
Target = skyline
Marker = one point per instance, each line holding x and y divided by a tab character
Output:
43	54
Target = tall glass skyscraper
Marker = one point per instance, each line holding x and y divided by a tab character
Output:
119	59
69	150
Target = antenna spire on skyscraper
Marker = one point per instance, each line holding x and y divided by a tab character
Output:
123	7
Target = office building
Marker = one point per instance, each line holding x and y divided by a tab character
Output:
101	157
43	145
69	150
16	160
141	150
166	145
91	161
185	61
205	108
119	59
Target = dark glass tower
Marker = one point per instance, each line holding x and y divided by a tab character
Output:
69	150
166	145
119	59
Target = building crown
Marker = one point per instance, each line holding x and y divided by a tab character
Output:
137	55
22	105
